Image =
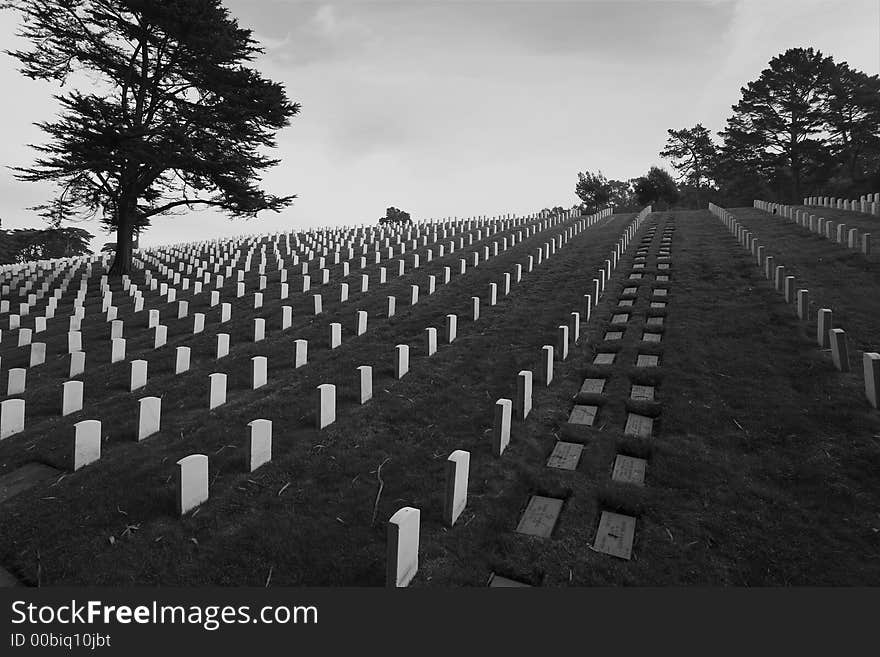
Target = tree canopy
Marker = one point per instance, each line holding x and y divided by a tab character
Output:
656	187
23	244
395	216
172	117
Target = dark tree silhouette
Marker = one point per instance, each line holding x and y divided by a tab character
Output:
692	154
23	244
594	191
783	111
172	119
395	216
656	187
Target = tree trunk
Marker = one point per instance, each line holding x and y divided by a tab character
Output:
122	260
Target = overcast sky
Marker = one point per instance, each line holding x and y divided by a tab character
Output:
469	108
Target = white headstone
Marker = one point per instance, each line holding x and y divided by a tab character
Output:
365	373
501	426
260	367
117	350
301	350
222	345
259	443
182	356
217	394
138	374
11	417
149	416
403	547
192	482
326	406
86	443
457	470
77	364
401	361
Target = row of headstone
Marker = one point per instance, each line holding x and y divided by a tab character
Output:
866	204
827	337
825	228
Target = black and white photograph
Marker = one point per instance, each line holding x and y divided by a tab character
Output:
435	294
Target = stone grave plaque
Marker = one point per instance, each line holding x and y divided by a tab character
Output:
663	265
565	456
593	386
631	290
613	335
497	580
540	516
620	318
625	302
651	337
655	321
604	359
634	277
638	265
647	360
661	292
642	393
615	535
583	415
662	277
637	425
658	304
629	470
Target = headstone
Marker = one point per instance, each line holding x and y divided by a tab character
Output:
501	426
871	367
637	425
117	350
562	342
301	350
259	366
540	516
629	470
86	443
149	416
451	328
401	361
365	388
77	364
431	341
592	387
547	364
391	306
335	335
326	405
160	336
565	456
582	414
11	417
615	535
181	363
455	500
217	391
222	345
138	375
523	394
259	443
192	482
403	547
823	325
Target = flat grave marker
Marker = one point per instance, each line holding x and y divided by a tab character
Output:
615	535
540	516
565	456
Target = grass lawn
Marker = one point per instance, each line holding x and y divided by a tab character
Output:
761	467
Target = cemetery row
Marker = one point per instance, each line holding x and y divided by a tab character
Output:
825	228
827	336
614	534
553	248
184	307
866	204
257	364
